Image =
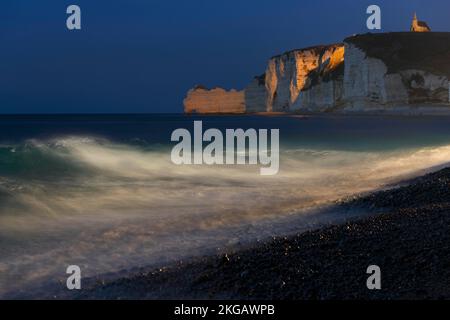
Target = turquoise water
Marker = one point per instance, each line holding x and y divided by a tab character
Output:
100	191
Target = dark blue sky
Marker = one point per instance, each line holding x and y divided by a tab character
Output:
143	55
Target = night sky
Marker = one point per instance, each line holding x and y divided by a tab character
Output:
143	55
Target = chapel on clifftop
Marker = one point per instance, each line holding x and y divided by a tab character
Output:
419	26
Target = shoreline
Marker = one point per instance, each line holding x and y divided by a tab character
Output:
409	240
421	110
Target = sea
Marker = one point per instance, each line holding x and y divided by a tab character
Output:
101	191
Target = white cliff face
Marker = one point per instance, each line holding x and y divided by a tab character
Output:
368	73
367	84
322	97
296	80
286	76
424	86
217	100
323	90
255	95
289	75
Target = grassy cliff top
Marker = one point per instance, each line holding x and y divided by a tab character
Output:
429	51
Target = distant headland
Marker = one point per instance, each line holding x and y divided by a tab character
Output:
399	72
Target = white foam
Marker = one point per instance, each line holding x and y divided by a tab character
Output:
135	207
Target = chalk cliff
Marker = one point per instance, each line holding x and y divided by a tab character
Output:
295	72
387	72
217	100
256	95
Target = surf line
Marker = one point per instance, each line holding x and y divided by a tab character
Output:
239	147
